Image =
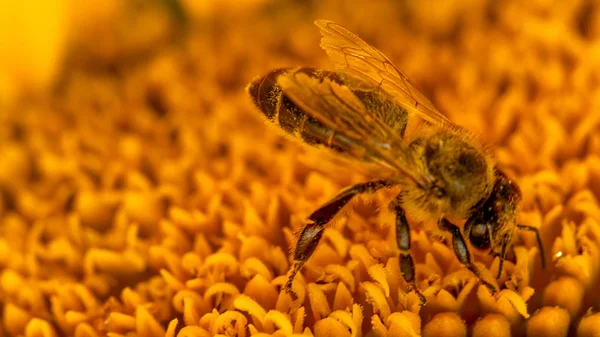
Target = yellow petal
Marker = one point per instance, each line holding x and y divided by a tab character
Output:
193	331
377	299
39	328
404	323
379	329
171	328
342	299
347	320
86	330
329	327
357	316
360	253
171	281
230	322
117	321
247	304
338	241
262	291
318	302
146	324
299	321
515	300
377	272
220	262
335	272
253	266
279	321
15	319
220	289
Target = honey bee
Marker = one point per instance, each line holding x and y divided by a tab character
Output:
362	112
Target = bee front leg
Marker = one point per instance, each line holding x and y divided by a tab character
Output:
313	231
502	255
407	265
507	240
462	251
539	241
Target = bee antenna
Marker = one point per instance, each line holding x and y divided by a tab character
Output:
539	241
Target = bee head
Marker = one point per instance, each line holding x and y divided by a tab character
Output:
494	217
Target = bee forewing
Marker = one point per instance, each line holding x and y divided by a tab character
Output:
352	55
357	132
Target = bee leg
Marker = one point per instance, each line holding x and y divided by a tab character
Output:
407	266
311	233
505	241
539	241
461	250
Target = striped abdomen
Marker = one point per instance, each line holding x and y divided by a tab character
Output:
279	109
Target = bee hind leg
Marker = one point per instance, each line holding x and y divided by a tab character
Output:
313	231
407	265
462	252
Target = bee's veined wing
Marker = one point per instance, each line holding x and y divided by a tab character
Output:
360	134
352	55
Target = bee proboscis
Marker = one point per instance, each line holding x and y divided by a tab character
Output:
362	112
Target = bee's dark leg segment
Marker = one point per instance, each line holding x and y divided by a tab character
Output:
305	247
461	250
505	242
539	241
311	233
407	265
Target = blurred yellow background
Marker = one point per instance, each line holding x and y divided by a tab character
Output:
34	34
141	193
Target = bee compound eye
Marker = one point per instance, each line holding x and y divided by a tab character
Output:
479	236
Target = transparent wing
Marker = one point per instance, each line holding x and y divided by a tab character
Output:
352	55
360	134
